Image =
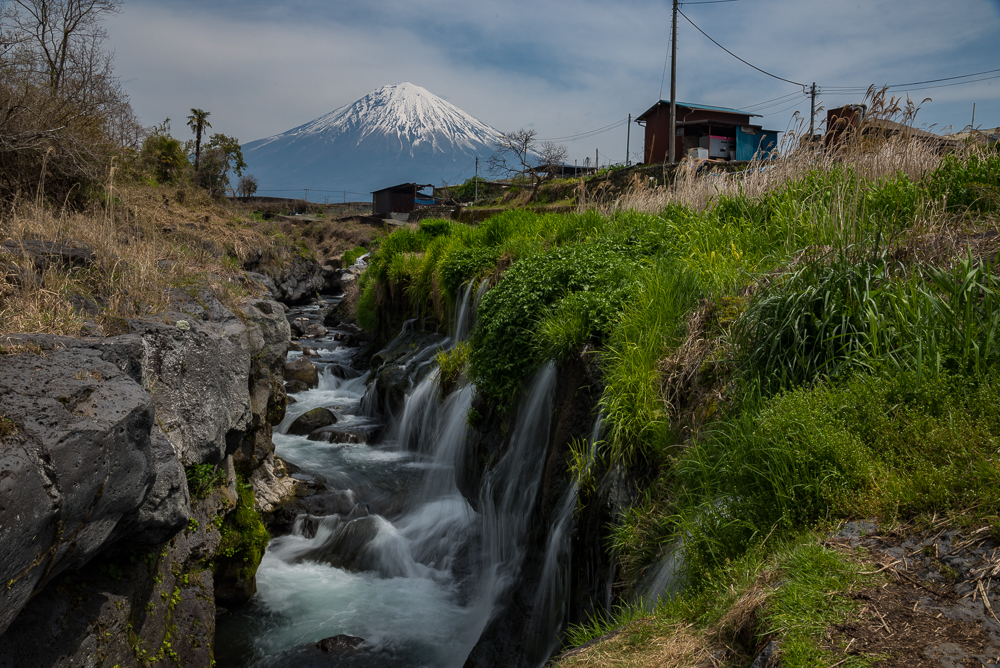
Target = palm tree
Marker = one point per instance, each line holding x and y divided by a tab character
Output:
198	121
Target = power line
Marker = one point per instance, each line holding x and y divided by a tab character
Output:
766	103
589	133
791	106
666	57
773	76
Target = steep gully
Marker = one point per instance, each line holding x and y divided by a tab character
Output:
437	543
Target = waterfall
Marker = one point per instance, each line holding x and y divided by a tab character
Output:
391	550
551	604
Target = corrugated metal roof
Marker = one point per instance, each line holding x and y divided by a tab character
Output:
689	105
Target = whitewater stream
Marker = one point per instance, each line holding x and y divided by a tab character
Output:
393	552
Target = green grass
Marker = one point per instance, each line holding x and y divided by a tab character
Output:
856	380
789	591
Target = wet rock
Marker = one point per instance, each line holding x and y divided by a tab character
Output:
298	326
302	370
355	435
331	319
347	547
343	371
339	644
295	346
294	387
296	282
315	331
311	421
331	277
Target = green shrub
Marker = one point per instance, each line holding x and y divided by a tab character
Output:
203	478
348	258
451	365
502	353
243	536
435	227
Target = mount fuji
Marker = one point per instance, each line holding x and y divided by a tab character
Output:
397	134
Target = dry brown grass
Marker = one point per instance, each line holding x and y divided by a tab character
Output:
644	643
147	242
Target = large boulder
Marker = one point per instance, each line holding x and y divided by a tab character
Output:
312	420
298	281
83	462
302	370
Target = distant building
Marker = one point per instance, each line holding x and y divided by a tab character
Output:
853	119
723	133
403	198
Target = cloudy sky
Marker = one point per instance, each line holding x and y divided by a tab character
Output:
563	67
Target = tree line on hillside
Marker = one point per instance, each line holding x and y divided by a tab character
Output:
66	122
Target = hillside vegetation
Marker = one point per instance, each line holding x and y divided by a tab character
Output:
782	350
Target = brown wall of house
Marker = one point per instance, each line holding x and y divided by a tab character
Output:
657	140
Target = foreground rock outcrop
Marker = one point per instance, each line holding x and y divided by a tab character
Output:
106	556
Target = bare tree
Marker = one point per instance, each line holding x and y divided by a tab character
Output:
247	186
516	155
66	33
63	113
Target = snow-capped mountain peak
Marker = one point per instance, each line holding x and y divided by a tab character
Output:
397	133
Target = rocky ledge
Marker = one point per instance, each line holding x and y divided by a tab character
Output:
106	556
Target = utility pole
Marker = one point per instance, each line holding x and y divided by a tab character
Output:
812	111
476	198
597	159
972	128
673	88
628	138
307	194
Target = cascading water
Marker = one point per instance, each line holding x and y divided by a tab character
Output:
392	551
550	609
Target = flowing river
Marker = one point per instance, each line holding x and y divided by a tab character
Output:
392	552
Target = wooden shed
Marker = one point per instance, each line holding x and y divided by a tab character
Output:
722	132
402	198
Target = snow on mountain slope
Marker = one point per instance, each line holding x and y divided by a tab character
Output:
396	134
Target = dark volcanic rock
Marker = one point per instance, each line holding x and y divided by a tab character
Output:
294	387
87	465
339	644
302	370
315	331
297	281
311	421
48	253
338	434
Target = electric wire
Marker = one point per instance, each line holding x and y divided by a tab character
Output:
766	103
589	133
745	62
791	106
666	57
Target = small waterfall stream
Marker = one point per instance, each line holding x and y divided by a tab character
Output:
392	552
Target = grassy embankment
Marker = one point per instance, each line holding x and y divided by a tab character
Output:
781	350
148	241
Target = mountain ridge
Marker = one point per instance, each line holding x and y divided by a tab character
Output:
397	133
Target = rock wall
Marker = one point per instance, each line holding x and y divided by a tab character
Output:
105	557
